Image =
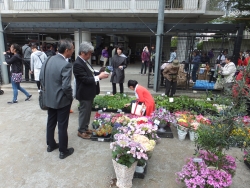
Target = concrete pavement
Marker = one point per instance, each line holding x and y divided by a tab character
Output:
25	163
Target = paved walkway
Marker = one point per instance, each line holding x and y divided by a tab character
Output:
24	161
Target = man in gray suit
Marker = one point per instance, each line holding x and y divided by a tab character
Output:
56	84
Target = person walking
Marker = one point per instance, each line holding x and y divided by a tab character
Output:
15	63
26	51
105	56
196	63
170	73
55	78
145	57
87	87
36	61
119	63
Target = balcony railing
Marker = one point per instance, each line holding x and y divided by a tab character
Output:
107	4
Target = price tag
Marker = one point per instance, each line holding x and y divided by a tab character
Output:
124	95
108	93
163	94
119	110
197	160
208	99
157	122
100	139
96	106
100	111
104	109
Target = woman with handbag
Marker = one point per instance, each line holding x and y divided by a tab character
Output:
16	72
142	96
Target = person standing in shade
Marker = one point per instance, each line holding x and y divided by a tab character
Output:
36	61
87	87
56	82
145	58
152	59
119	63
196	63
172	56
105	55
26	51
170	72
15	63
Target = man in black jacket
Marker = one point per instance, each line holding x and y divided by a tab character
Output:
87	87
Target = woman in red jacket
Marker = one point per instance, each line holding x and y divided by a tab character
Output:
142	95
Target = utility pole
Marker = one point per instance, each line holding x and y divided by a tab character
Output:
160	29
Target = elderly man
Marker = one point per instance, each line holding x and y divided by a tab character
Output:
87	87
55	76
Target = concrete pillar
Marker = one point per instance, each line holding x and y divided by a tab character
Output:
6	4
4	72
85	36
66	4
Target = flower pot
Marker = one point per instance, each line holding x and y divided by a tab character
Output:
182	128
124	174
193	135
162	127
181	134
140	169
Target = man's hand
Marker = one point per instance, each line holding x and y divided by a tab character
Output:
103	75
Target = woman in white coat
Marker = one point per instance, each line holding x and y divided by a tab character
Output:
228	71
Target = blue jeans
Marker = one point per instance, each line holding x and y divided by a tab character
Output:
16	87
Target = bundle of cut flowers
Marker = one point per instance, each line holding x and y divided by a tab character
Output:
126	151
224	162
198	174
108	69
163	116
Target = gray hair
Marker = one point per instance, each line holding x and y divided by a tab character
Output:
85	47
64	44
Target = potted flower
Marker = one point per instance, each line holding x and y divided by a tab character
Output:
108	69
125	154
198	174
162	117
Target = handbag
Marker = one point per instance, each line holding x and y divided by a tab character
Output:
16	77
138	108
42	96
102	58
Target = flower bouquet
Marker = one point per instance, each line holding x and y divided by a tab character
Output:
108	69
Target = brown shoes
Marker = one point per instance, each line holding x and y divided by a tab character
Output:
89	131
84	135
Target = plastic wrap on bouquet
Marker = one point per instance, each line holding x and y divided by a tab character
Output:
124	174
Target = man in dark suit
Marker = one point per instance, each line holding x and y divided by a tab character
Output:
56	83
87	87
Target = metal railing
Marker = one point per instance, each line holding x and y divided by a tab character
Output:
213	5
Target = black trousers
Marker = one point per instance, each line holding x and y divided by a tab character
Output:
170	85
60	117
27	69
114	88
144	66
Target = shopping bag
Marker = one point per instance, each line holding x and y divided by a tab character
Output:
138	108
219	83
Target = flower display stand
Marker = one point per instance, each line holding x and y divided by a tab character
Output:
167	134
140	172
101	138
124	174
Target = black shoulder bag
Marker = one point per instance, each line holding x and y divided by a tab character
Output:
42	97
